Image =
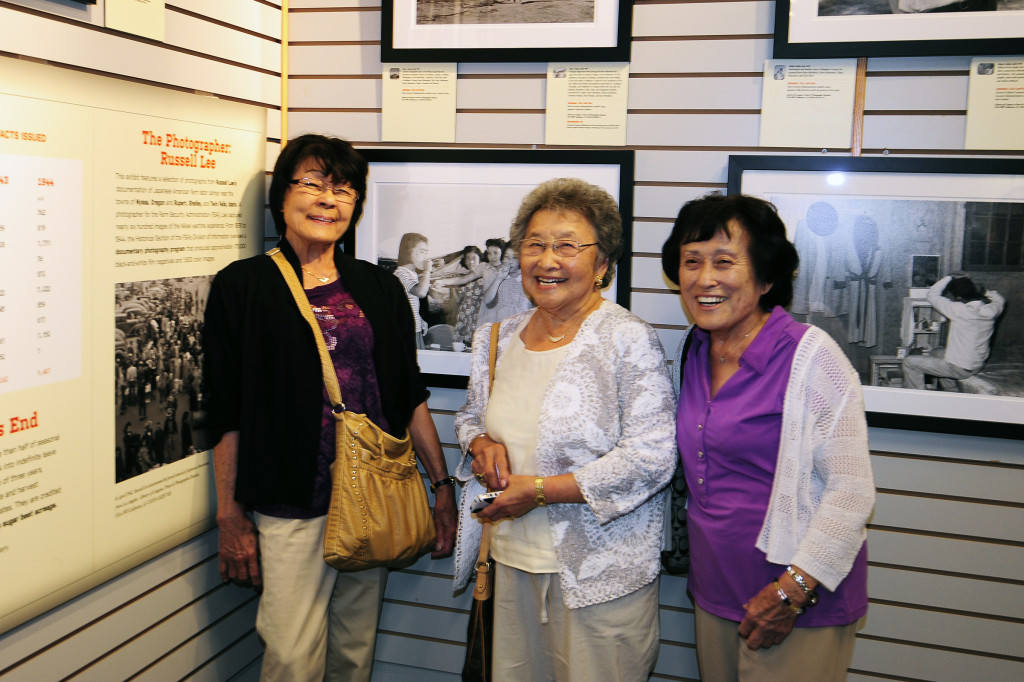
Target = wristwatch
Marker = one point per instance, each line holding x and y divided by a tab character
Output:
447	480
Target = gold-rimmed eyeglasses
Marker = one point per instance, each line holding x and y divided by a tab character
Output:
345	195
563	248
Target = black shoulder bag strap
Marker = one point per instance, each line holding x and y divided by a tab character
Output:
676	559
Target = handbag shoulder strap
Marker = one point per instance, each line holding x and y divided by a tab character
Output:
683	352
330	374
492	356
485	533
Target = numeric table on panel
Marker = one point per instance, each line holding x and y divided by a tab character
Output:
40	271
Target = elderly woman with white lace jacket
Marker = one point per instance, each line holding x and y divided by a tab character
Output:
773	440
578	435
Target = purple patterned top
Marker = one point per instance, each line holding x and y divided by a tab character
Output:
349	339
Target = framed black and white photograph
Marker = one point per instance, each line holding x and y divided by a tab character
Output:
915	267
506	30
897	28
441	218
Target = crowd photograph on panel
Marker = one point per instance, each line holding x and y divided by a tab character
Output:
158	380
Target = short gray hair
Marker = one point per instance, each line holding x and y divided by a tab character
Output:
572	195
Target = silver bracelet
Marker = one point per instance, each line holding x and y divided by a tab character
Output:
812	596
785	599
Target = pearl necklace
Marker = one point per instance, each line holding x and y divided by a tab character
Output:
322	280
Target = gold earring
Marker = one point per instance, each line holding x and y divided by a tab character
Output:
598	280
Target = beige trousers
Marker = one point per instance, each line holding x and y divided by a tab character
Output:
812	654
316	623
538	638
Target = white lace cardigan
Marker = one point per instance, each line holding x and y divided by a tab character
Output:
608	416
823	491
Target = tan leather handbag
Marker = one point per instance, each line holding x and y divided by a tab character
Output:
379	514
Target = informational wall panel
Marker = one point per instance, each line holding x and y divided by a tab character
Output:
118	203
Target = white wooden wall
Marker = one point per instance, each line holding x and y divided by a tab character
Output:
946	544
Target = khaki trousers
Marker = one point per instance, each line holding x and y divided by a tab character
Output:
316	623
538	638
812	654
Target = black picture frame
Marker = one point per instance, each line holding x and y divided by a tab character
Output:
801	33
895	195
475	194
522	44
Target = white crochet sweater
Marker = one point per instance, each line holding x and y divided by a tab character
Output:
823	491
608	416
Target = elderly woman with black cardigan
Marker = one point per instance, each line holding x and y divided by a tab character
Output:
270	418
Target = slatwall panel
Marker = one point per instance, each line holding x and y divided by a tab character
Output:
946	544
170	618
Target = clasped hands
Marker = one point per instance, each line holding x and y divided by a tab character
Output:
491	468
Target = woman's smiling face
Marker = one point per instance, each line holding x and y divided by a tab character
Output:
717	283
557	284
313	219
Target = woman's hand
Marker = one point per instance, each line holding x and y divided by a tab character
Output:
428	450
490	461
238	541
768	620
444	521
239	549
518	498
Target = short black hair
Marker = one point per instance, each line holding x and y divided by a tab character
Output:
964	290
340	162
494	241
772	255
468	250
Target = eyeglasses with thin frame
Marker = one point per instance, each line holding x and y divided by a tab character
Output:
345	195
563	248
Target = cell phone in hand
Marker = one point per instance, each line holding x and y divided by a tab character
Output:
481	501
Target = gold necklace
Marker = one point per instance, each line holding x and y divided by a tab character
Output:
556	339
721	358
322	280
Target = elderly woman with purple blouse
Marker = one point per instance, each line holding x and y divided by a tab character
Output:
773	440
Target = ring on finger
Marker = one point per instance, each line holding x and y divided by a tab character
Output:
480	477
